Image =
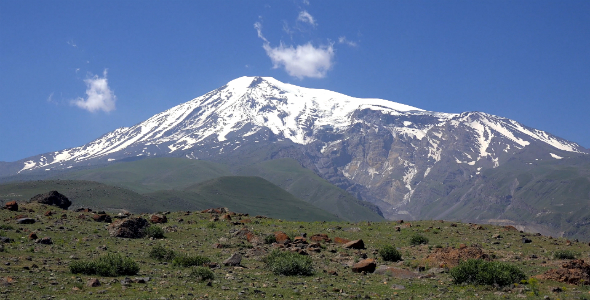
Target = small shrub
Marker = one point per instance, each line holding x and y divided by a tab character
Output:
109	265
564	254
418	239
154	231
202	274
6	227
389	253
477	271
288	263
160	253
211	225
182	260
269	239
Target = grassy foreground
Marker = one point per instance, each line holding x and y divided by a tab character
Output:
32	270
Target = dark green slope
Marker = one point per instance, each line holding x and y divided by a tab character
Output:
253	195
149	175
306	185
82	194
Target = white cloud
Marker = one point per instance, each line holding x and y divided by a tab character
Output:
305	17
72	43
98	95
50	99
301	61
343	40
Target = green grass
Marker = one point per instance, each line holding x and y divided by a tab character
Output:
183	260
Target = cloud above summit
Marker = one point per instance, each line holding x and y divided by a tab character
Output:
98	95
299	61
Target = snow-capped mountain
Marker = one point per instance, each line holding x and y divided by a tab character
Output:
381	151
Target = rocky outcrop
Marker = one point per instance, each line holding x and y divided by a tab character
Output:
128	228
12	206
52	198
158	219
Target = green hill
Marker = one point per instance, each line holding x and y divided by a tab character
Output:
253	195
149	175
306	185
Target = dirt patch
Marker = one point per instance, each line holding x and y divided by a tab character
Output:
573	272
451	257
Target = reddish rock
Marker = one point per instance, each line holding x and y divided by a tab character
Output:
12	206
510	228
282	237
81	216
225	217
33	236
245	221
102	218
252	238
367	265
217	246
397	228
450	257
462	246
320	237
573	272
357	244
21	216
48	213
339	240
158	219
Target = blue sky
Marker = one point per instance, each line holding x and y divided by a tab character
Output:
71	71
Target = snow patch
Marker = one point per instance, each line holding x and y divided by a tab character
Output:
555	156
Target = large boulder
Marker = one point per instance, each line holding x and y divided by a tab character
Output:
129	228
53	198
12	206
158	219
367	265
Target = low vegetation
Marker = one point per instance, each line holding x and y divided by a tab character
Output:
564	254
288	263
389	253
183	260
418	239
108	265
155	232
202	274
161	253
477	271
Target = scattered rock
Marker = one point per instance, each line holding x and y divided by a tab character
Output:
242	233
233	260
398	287
126	281
339	240
367	265
33	236
48	213
52	198
4	239
357	244
158	219
93	282
128	228
25	221
526	241
12	206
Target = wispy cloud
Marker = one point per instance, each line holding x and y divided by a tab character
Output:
98	95
305	17
72	43
50	99
300	61
343	40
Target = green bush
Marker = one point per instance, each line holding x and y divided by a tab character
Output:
418	239
202	274
154	231
269	239
181	260
389	253
480	272
109	265
288	263
564	254
160	253
6	227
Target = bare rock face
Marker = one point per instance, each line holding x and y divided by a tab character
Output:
367	265
12	206
129	228
53	198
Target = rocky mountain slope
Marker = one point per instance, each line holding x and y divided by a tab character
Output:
401	158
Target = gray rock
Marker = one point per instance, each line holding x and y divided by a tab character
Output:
233	260
25	221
